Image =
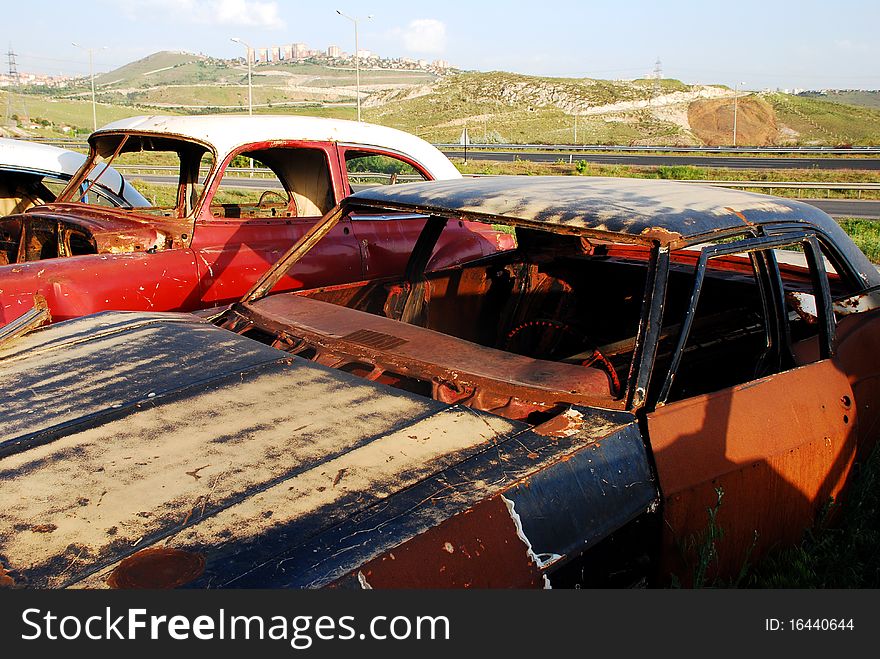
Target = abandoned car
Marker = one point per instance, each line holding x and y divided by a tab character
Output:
563	412
32	174
221	229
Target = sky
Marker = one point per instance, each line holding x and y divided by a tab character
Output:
750	43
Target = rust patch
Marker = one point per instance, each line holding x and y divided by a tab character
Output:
661	234
776	459
563	425
5	580
479	548
738	214
157	567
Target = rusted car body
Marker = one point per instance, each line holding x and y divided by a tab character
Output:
224	229
564	412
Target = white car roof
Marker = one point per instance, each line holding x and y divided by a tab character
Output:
228	132
20	155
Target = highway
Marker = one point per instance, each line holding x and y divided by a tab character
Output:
869	209
733	162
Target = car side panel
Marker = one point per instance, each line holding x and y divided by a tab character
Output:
858	355
236	254
80	285
777	448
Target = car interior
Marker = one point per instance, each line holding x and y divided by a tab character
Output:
524	332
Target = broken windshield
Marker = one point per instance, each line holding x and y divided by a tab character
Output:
170	172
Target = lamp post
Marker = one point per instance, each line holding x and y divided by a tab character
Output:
735	97
92	76
247	56
357	60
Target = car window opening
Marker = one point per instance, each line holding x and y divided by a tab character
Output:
288	182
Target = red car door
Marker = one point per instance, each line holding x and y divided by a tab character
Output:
249	221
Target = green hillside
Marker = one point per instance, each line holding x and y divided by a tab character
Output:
496	107
819	121
159	68
508	108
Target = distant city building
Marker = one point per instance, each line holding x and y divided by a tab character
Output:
36	79
297	52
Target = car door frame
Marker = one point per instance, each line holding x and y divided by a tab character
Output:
288	228
686	499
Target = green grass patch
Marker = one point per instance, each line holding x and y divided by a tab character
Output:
825	122
865	234
841	551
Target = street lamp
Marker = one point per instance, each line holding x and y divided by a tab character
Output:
247	56
735	97
357	61
92	76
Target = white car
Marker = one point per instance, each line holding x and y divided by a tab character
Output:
32	174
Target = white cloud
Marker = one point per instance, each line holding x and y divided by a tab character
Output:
245	13
856	47
425	35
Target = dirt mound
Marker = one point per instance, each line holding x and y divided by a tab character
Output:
711	121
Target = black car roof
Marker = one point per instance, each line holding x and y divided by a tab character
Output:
667	211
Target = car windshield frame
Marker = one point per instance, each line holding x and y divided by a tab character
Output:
82	181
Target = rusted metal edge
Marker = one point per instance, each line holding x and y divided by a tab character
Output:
526	468
27	322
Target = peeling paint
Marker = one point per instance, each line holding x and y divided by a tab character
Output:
533	557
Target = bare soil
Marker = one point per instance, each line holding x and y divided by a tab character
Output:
711	121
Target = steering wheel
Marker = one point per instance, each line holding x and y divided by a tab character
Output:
551	339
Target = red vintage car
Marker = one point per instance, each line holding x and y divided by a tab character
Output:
226	226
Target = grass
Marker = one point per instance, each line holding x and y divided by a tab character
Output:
825	122
511	108
865	234
74	113
841	551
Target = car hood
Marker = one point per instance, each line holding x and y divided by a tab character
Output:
114	230
158	450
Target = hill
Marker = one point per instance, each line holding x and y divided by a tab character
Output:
496	107
507	107
188	82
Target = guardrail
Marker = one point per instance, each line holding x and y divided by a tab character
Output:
622	148
815	150
247	172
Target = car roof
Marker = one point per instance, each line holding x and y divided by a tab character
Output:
228	132
24	156
666	211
